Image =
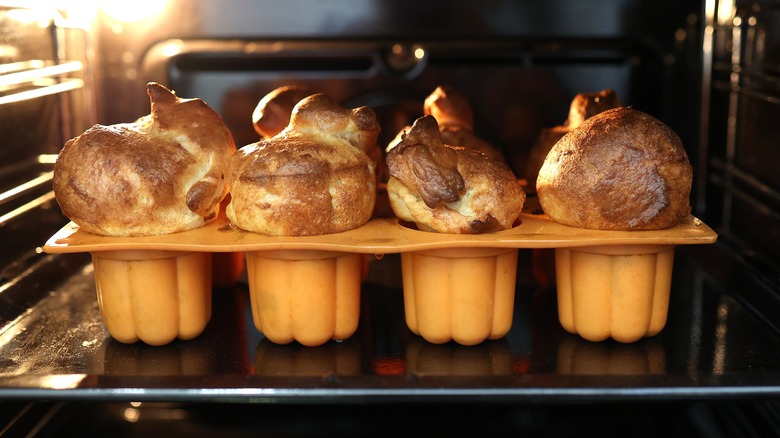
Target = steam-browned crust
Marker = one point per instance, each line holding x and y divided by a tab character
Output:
619	170
272	114
544	142
455	119
449	107
162	174
450	189
312	178
587	105
582	107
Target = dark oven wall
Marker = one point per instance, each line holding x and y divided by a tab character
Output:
740	184
520	63
45	99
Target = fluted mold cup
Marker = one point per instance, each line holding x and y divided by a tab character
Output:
614	291
461	294
308	296
153	296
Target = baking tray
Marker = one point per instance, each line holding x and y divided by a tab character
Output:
381	236
434	275
713	345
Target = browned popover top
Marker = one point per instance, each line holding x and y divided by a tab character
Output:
449	107
582	107
161	174
272	113
450	189
587	105
312	178
455	119
619	170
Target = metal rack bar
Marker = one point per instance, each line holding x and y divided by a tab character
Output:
747	179
25	187
59	87
730	87
23	76
45	79
26	207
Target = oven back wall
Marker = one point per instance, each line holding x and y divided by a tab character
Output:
520	63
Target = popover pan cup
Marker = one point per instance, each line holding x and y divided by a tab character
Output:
153	296
461	294
308	296
614	291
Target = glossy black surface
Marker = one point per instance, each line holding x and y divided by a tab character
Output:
734	418
712	348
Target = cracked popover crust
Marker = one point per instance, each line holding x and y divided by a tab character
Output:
162	174
312	178
621	169
450	189
582	107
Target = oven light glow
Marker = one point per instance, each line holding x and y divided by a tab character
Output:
37	14
8	51
132	12
64	381
131	415
47	158
70	13
726	11
172	48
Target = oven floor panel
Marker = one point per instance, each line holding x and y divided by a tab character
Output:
711	348
116	419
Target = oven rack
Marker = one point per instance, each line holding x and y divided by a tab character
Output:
34	78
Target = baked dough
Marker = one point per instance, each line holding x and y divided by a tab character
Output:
450	189
453	113
587	105
455	118
583	106
312	178
272	114
619	170
162	174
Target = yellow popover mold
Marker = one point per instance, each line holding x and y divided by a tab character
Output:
153	296
612	284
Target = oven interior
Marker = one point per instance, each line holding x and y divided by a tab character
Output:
707	69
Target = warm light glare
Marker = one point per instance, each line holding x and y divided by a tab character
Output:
131	415
726	11
41	16
132	11
63	381
43	89
419	53
76	13
172	48
37	70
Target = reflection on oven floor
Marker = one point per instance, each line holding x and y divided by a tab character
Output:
134	419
